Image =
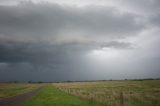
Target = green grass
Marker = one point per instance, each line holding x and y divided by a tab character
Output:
51	96
100	93
107	93
8	89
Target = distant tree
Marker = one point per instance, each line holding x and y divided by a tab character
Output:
40	82
30	82
16	81
68	81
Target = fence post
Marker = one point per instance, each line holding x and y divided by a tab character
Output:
121	99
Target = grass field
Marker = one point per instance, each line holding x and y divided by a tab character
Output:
7	90
116	93
50	96
100	93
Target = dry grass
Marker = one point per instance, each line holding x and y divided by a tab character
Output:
116	93
11	89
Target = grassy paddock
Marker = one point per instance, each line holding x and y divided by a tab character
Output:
11	89
116	93
51	96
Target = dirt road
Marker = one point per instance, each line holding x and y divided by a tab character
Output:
18	100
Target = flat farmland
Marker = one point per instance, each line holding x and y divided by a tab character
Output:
95	93
116	93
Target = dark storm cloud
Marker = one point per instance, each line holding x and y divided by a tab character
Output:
50	41
17	52
44	53
29	58
49	61
24	29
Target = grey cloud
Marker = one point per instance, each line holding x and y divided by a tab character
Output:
45	53
149	9
141	6
28	52
154	20
54	39
28	25
32	59
118	45
42	21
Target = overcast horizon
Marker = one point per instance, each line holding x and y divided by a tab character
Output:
56	40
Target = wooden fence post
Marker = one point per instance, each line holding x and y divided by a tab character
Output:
121	99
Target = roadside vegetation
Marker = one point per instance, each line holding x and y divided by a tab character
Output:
51	96
94	93
116	93
12	89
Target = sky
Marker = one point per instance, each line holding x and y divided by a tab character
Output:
57	40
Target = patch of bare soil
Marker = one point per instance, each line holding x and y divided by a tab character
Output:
18	100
